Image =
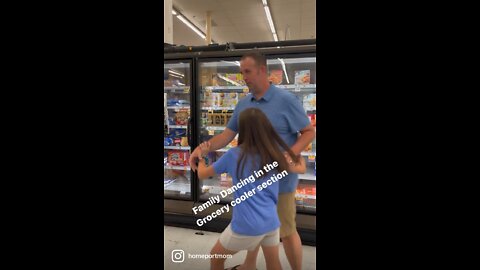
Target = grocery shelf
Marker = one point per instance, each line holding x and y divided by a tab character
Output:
177	147
306	154
178	107
305	196
309	109
177	89
170	167
214	128
218	108
223	88
307	176
176	126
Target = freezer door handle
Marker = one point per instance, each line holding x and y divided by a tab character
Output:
189	131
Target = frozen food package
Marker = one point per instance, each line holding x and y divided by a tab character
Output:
310	101
276	76
302	77
230	99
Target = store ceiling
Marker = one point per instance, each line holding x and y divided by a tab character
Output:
245	20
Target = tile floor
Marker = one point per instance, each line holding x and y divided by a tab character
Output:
191	243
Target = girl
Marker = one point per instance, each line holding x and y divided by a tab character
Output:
254	220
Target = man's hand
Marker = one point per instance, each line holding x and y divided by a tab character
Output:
204	148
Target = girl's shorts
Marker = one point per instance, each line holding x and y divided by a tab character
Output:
236	242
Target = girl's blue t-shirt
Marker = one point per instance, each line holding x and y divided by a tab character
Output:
257	214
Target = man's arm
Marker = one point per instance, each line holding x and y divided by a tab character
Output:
217	142
306	136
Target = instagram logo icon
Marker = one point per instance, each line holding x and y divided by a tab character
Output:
178	255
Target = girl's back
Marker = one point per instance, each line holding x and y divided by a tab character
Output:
254	207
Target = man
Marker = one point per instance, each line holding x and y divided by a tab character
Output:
286	113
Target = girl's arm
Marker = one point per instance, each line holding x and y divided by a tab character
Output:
300	167
203	170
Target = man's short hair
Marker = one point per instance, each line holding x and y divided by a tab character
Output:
259	59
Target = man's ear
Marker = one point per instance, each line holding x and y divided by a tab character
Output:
263	69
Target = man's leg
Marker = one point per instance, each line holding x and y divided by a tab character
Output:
292	243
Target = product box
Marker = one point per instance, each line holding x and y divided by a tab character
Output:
310	101
276	77
178	158
302	77
181	117
235	79
230	99
313	119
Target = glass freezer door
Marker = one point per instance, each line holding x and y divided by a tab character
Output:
298	75
221	87
177	140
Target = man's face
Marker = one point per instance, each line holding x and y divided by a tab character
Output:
252	73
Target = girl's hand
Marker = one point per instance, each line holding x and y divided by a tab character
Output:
204	148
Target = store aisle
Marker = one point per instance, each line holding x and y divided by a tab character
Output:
193	244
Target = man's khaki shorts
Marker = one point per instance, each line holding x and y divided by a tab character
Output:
287	210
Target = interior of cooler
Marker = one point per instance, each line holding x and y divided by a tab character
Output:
298	75
177	111
222	86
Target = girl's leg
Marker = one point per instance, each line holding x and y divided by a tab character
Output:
250	262
219	263
272	258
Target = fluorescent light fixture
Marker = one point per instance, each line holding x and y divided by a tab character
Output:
176	76
176	73
174	12
275	36
264	2
284	70
195	29
270	21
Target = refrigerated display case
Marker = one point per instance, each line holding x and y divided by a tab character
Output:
211	87
177	176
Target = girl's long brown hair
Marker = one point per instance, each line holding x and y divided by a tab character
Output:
257	137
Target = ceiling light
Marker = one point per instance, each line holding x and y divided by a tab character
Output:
189	24
275	36
270	21
264	2
174	12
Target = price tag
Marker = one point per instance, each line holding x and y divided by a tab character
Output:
246	90
311	158
211	132
297	88
186	89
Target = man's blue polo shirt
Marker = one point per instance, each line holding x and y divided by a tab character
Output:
287	115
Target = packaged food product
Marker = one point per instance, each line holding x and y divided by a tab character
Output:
313	119
178	158
302	77
184	141
276	76
230	99
310	101
181	117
